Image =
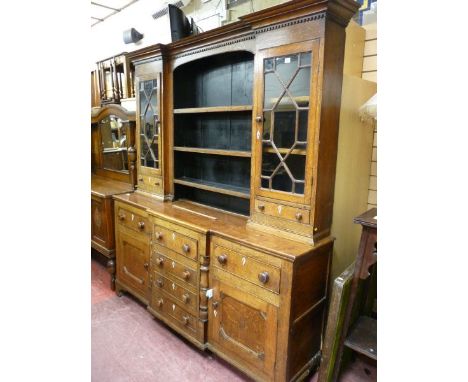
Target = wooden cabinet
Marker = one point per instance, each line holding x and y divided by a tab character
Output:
227	239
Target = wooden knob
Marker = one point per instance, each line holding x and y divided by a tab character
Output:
185	320
160	261
215	304
141	225
159	283
261	207
186	275
158	235
122	216
298	216
259	118
263	277
140	179
146	266
185	298
156	184
222	259
186	248
160	303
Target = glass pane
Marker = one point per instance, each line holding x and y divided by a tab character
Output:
149	127
286	111
114	143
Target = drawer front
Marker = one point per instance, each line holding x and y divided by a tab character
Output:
165	265
132	220
150	184
185	297
245	267
282	211
175	241
167	307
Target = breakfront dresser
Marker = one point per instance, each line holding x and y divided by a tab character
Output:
227	238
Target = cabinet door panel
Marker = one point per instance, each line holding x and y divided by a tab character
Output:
243	327
133	260
286	109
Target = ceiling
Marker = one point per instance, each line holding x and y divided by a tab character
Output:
103	9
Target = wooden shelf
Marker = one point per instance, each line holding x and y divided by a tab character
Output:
232	153
363	337
226	189
213	109
284	151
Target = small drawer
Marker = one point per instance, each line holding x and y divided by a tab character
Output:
175	241
179	293
132	220
150	184
168	266
167	307
245	267
299	215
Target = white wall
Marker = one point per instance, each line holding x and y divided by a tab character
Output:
107	40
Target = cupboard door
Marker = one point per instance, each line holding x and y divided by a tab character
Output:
149	123
285	120
243	327
99	229
133	253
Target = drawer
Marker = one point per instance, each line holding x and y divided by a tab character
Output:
133	220
175	241
168	308
247	268
150	184
174	266
185	297
296	214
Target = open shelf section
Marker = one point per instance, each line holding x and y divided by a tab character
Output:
213	109
363	337
233	153
226	189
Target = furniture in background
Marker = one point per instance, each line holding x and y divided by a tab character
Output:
113	172
349	323
227	238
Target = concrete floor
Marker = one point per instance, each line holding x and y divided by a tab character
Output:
129	345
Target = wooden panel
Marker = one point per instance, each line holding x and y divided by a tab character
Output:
300	215
258	273
176	266
175	241
354	49
182	295
99	228
370	76
369	63
370	48
243	326
133	261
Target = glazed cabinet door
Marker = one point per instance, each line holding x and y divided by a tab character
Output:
133	253
285	119
149	125
243	327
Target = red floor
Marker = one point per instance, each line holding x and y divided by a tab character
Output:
129	345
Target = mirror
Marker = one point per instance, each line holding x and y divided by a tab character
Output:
114	144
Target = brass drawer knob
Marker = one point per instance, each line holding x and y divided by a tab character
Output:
185	320
186	275
185	298
141	225
261	207
222	259
160	283
259	118
160	261
215	304
298	216
160	303
122	216
146	266
158	235
263	277
186	248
